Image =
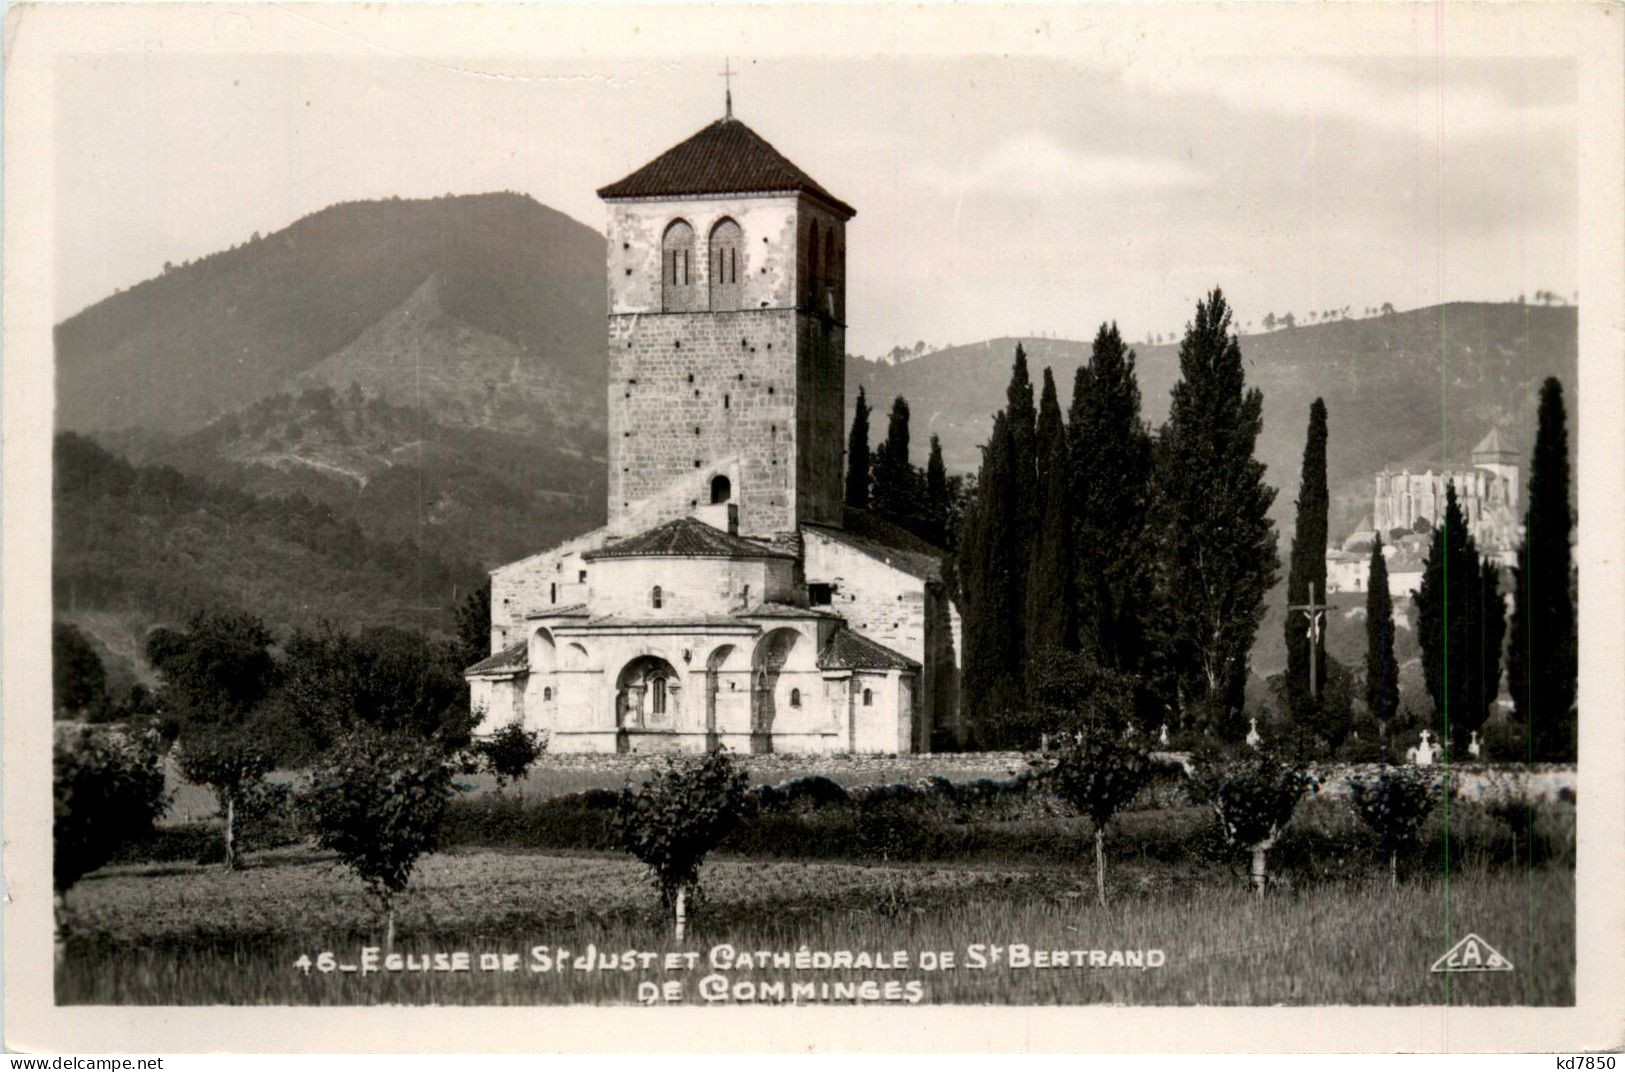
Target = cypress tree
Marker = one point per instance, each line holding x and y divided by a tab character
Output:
1022	417
1543	656
857	456
894	491
936	495
1308	567
1381	668
1216	543
1111	472
1050	607
985	566
1461	622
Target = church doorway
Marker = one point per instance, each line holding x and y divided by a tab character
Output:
646	700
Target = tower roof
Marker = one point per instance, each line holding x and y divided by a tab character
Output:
1490	444
726	157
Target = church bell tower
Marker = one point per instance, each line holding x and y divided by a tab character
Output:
727	326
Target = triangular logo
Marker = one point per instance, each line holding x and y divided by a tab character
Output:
1472	954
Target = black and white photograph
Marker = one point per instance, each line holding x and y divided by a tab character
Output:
1098	510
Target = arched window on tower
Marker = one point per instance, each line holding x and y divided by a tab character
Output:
814	281
727	251
657	598
795	697
831	274
721	489
677	268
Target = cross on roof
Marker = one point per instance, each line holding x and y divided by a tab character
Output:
728	89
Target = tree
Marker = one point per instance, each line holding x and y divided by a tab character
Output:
1216	542
1050	606
1460	625
1111	471
509	752
78	678
215	678
216	671
1023	476
1381	667
1394	803
377	800
938	497
1253	800
392	680
1269	321
107	789
681	813
474	623
1097	773
986	562
895	490
857	456
1307	573
230	763
1543	655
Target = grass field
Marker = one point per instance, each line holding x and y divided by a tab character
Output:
181	934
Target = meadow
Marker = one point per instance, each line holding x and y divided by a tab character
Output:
944	869
167	934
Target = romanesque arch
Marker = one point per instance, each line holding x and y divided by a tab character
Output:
714	664
773	652
677	284
726	267
647	698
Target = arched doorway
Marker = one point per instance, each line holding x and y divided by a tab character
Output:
768	661
647	696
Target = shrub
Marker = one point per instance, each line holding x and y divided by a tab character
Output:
378	802
1394	803
1253	801
679	815
107	790
1097	773
509	752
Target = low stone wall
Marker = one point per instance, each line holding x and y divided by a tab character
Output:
1543	781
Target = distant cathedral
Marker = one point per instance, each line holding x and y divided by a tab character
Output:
731	599
1487	492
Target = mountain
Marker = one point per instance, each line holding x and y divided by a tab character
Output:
389	294
462	493
1417	388
152	544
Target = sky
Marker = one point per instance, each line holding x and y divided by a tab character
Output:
995	195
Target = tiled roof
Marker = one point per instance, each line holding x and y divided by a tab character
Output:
785	610
685	538
726	157
572	610
890	544
687	621
848	650
509	660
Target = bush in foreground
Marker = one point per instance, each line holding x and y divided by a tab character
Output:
1253	801
378	802
107	789
1394	803
1097	773
679	815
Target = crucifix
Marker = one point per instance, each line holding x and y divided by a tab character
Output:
727	89
1316	613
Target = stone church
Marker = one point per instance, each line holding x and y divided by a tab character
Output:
731	599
